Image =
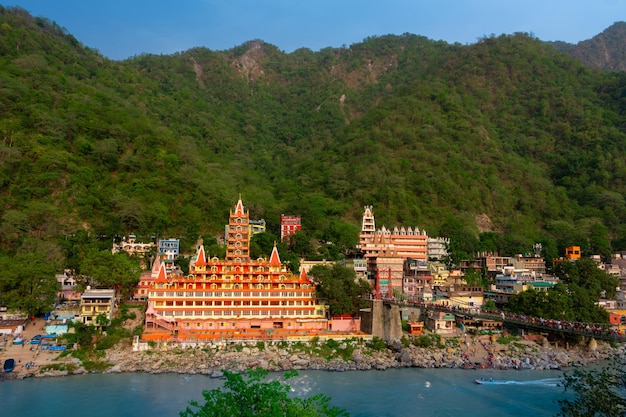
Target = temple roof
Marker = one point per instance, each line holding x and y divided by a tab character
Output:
200	259
239	210
156	265
274	258
162	277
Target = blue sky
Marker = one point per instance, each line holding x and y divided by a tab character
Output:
123	28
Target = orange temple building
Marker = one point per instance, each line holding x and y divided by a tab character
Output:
235	298
385	251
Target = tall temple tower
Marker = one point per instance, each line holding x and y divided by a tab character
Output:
235	298
238	242
369	225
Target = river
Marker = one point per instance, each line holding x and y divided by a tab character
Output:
394	392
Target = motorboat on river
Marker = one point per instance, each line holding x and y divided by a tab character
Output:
483	381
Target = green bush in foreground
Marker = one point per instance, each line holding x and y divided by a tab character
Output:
251	396
597	392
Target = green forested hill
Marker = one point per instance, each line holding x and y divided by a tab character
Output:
498	145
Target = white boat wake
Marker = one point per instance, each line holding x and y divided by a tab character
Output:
546	382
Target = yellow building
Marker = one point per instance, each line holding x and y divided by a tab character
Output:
96	302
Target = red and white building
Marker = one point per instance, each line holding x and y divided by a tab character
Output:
289	225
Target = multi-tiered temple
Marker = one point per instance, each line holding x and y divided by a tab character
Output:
233	298
385	252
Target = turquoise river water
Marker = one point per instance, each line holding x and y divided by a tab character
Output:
395	392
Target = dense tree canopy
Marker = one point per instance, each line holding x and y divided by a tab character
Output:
107	270
575	298
338	286
28	283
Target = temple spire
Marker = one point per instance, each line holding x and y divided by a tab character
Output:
274	258
238	234
162	276
303	276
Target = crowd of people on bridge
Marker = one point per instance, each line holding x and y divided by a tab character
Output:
603	331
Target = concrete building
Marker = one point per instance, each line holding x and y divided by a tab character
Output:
572	252
94	302
237	297
417	280
289	225
438	248
169	249
132	247
257	226
386	271
385	251
440	322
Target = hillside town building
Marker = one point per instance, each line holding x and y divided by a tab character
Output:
385	252
94	302
132	247
289	225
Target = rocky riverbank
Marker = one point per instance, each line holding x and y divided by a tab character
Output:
458	352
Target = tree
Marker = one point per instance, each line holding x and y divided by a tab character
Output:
474	278
585	274
110	270
574	298
254	397
340	288
28	283
261	244
213	248
598	392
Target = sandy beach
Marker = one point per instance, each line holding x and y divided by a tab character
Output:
27	353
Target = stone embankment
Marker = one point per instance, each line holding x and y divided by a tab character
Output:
211	360
345	356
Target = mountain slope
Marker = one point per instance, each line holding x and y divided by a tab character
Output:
506	136
606	50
